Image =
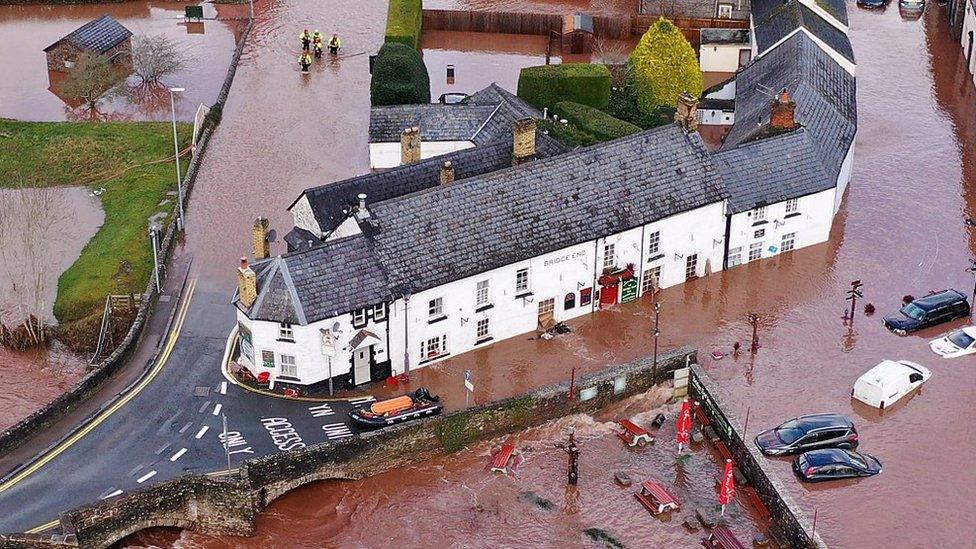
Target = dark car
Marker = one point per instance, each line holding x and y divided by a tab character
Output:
874	4
810	432
835	464
930	310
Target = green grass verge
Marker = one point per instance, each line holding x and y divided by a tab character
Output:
45	154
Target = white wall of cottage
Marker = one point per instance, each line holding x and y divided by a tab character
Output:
388	155
845	175
721	57
968	39
304	218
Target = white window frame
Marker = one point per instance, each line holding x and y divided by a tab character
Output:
756	247
547	306
435	308
433	347
792	205
791	239
286	331
727	9
649	275
483	329
609	254
379	312
483	293
691	269
759	233
522	280
758	214
735	256
359	317
654	243
288	366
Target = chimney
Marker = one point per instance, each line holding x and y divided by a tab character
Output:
259	232
247	284
362	213
447	173
782	116
686	114
523	134
410	145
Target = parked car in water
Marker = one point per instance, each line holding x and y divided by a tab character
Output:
935	308
956	343
872	4
911	9
889	382
808	432
835	464
453	98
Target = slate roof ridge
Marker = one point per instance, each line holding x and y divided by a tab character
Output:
295	302
263	281
485	123
82	37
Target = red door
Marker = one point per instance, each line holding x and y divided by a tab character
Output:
608	294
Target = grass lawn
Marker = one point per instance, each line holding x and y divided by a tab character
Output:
99	155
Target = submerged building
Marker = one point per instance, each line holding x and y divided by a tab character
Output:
504	231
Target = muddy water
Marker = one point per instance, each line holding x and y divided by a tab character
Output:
31	92
592	7
42	232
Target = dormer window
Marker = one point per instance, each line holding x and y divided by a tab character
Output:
285	332
359	318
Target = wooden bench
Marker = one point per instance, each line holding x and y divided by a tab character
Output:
499	463
724	450
657	498
633	434
757	502
722	538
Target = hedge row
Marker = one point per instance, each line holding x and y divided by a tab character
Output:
584	83
567	134
399	77
595	122
403	22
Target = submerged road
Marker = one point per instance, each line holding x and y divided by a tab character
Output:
171	423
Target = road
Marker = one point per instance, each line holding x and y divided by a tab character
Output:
171	423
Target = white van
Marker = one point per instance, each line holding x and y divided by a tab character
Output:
888	382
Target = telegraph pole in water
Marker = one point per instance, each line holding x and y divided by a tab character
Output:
852	295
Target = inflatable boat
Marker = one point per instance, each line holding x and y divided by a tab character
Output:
399	409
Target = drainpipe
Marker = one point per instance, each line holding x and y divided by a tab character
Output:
596	244
406	333
728	236
640	262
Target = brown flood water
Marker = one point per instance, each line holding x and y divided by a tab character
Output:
592	7
31	92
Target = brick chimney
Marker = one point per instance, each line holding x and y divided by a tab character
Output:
410	145
686	114
447	173
247	284
259	232
523	134
782	116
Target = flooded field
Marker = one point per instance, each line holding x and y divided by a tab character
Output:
31	92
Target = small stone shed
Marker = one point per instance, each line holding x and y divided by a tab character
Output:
578	33
103	36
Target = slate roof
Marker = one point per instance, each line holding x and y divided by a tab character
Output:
447	233
438	122
97	36
786	17
334	278
331	203
724	36
836	8
704	9
772	170
825	96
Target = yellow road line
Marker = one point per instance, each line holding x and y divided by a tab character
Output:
163	357
43	527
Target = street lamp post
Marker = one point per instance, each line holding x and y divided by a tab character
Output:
176	149
153	232
657	333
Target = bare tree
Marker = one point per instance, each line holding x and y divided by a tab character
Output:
93	78
613	52
155	56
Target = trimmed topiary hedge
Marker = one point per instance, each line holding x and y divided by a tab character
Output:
584	83
595	122
567	134
662	66
403	22
399	76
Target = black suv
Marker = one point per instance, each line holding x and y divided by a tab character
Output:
930	310
810	432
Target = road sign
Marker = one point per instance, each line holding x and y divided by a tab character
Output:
468	384
328	343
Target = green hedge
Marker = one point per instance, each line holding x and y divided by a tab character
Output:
584	83
567	134
399	76
403	22
595	122
624	106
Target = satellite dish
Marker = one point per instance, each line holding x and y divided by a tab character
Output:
335	327
272	236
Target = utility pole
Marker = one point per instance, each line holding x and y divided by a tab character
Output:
852	295
972	269
223	418
657	333
252	9
754	321
176	148
573	452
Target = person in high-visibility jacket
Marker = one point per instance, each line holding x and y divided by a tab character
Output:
305	61
306	39
317	37
334	44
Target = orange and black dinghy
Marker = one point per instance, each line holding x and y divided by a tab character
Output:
381	413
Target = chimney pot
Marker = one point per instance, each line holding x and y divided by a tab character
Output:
244	263
362	201
523	137
447	173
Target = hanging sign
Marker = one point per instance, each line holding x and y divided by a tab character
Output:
628	290
328	342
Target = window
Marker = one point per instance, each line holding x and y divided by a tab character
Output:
759	214
288	367
359	317
433	347
546	306
789	241
744	57
267	359
522	280
735	256
569	301
379	312
792	205
435	307
482	332
482	295
652	280
608	253
755	251
759	234
691	267
725	11
285	331
654	243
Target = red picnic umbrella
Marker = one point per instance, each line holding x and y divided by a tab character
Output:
684	424
727	490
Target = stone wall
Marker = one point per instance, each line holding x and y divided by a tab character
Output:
791	519
65	51
228	506
99	373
